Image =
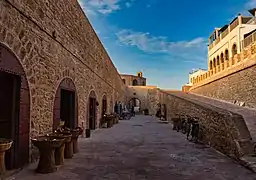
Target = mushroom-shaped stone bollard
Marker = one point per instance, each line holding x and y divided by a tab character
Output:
47	146
68	151
75	133
5	144
59	152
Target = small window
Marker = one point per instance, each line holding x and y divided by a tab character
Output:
226	55
222	58
134	82
214	62
124	81
218	60
234	49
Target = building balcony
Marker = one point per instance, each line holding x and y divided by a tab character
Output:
225	30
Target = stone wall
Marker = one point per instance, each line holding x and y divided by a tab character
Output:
234	79
147	95
221	129
239	86
54	40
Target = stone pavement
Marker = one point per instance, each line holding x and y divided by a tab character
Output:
143	148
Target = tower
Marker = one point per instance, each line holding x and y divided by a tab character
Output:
139	74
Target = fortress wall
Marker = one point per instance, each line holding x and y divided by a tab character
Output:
219	128
239	86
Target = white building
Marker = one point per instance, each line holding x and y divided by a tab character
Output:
227	41
194	74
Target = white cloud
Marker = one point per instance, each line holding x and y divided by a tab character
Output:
100	6
251	4
93	7
193	50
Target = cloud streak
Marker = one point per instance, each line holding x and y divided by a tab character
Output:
93	7
250	4
100	6
192	50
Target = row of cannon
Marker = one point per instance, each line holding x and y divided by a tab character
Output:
187	125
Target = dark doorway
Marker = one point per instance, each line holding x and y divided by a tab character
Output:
136	103
92	110
67	110
9	116
104	105
134	82
14	108
65	105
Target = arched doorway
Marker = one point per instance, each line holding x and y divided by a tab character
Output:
104	105
136	103
135	82
65	105
92	110
15	108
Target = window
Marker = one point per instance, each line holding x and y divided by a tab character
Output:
218	60
210	65
134	82
124	81
234	49
222	58
226	55
214	62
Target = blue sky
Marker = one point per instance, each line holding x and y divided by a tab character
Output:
165	39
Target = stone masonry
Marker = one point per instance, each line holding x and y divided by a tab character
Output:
232	80
224	130
54	40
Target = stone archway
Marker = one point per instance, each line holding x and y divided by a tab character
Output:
104	105
65	105
136	103
92	110
15	108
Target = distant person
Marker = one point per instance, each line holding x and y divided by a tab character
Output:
133	112
116	108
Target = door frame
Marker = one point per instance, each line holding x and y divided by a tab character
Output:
10	63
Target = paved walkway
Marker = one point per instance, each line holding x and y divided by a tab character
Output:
140	149
248	114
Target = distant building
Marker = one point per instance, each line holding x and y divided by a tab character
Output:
227	41
225	45
192	78
131	80
192	75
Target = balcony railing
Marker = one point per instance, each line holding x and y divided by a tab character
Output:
249	40
246	19
224	33
234	24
